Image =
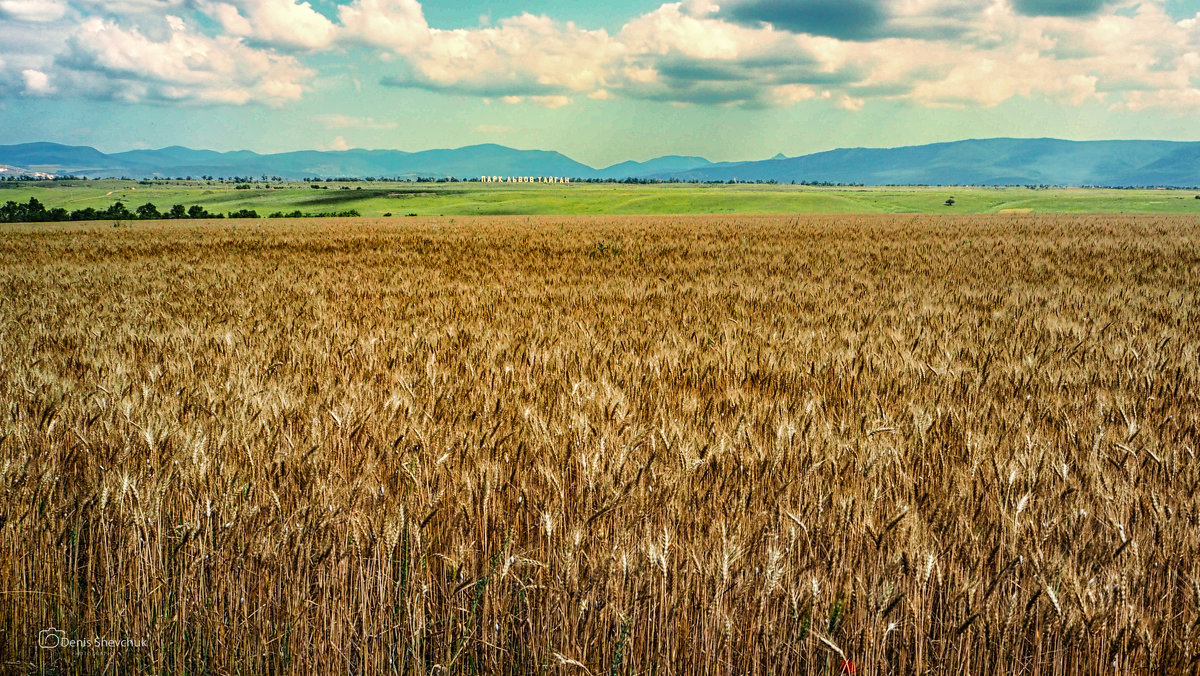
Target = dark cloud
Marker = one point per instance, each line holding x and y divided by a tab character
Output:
495	88
749	81
810	76
842	19
722	71
703	72
701	92
859	20
779	59
1060	7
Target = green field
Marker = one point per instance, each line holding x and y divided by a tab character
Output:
426	199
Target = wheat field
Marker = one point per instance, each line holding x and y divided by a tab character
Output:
602	445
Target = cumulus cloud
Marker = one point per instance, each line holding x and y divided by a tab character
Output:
990	82
752	53
778	52
392	24
524	55
338	144
33	10
685	54
930	52
553	101
107	60
694	33
1123	60
348	122
36	82
282	23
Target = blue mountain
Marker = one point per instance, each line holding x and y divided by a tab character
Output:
467	162
668	164
998	161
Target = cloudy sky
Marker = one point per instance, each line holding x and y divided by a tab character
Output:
600	81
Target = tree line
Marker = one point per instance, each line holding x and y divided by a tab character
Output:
34	211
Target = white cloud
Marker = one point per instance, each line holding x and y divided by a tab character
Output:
282	23
229	16
348	122
392	24
932	52
524	55
928	52
552	102
1137	61
543	61
33	10
37	83
673	29
110	61
788	94
338	143
640	74
990	82
849	102
1186	99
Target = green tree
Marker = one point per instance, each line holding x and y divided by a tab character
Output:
148	211
117	212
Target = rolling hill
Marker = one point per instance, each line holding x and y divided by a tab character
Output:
176	161
998	161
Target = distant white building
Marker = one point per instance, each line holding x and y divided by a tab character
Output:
524	179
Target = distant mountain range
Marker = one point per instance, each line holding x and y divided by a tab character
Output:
999	161
177	161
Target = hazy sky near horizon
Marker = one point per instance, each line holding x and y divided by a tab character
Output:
599	81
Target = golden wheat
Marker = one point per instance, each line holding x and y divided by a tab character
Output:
673	445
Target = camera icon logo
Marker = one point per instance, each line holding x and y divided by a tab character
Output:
51	637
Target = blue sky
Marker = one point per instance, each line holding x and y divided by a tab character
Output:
599	81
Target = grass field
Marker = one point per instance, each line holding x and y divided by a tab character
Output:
399	199
603	445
